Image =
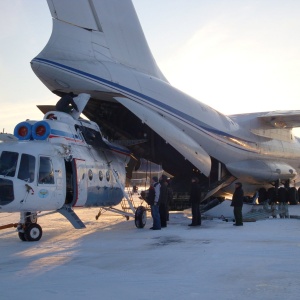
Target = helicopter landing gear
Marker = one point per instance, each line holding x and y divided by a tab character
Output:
28	229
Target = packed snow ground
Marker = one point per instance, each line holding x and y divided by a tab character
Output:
111	259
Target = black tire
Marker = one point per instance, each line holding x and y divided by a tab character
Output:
272	195
33	232
262	195
22	236
282	195
293	196
140	217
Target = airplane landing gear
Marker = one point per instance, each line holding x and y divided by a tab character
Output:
28	229
140	217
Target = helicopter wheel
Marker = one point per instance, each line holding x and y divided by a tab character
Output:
33	232
140	217
22	236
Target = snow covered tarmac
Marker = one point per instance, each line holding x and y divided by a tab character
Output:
111	259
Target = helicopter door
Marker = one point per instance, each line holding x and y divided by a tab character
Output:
80	180
49	182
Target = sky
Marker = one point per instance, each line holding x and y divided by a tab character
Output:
236	56
111	259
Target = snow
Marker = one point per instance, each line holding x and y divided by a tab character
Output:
111	259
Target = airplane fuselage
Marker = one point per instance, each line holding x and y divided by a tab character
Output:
222	137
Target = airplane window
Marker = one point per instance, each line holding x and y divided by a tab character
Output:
100	175
46	174
107	175
27	166
90	174
8	163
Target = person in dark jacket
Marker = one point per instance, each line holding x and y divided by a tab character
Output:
163	201
237	203
195	197
170	197
155	204
66	103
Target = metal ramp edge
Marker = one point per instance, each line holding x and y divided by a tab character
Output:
71	216
227	180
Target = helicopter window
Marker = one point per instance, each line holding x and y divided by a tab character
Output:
27	166
79	133
100	175
92	137
8	163
46	174
90	174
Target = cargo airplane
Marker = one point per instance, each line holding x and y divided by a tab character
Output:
98	47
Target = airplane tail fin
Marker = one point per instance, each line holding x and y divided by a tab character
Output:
102	30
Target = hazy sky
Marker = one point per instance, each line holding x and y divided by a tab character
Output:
236	56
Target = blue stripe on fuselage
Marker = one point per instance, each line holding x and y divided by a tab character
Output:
162	106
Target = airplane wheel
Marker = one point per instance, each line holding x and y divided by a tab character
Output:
282	195
140	217
33	232
293	196
22	236
262	195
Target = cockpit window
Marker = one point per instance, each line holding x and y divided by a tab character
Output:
92	137
46	174
8	163
27	167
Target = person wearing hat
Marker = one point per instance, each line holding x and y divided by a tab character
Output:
155	206
237	203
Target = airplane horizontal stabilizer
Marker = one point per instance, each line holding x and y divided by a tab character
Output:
282	119
191	150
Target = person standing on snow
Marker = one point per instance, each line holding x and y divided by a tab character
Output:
155	205
237	203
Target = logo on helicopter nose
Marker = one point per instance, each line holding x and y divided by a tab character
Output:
43	193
